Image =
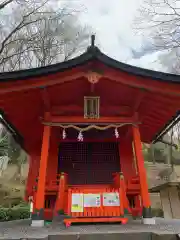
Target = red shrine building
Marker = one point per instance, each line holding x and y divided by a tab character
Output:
82	122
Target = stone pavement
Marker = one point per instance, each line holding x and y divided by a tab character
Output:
135	231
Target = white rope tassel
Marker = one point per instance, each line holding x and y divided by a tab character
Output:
80	137
31	204
116	133
64	134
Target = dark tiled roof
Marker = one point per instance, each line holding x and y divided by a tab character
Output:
92	53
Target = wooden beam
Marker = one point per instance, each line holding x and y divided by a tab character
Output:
141	82
114	110
79	72
112	139
136	106
60	109
45	99
51	80
7	99
82	120
138	100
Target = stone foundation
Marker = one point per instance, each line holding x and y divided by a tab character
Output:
170	202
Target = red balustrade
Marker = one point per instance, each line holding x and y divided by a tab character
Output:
64	193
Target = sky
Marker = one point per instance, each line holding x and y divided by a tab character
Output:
149	61
112	21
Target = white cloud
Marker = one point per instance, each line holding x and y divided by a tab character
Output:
112	21
149	61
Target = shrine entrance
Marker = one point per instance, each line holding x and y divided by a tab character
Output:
89	162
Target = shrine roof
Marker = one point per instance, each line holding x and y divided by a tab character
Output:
92	53
154	95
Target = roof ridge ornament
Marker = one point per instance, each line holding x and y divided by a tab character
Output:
92	49
93	40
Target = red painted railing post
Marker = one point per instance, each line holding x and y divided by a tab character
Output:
69	202
59	206
121	193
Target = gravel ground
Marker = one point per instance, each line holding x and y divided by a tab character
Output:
22	230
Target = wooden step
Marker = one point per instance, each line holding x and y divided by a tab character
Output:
69	221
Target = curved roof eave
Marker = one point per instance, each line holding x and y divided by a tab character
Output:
11	129
168	126
92	53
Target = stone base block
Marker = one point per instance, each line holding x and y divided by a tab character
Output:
150	221
37	223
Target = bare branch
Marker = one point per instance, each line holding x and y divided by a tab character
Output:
5	3
21	25
159	21
41	35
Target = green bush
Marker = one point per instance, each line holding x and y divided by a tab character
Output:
157	212
23	204
15	213
21	211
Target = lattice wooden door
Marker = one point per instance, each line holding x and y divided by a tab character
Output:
89	163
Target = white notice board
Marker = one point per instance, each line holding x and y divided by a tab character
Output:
92	200
111	199
77	202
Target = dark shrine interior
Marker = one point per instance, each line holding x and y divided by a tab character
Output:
89	162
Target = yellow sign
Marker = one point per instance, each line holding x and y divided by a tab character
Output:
77	202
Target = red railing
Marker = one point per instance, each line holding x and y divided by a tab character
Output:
65	191
100	211
132	185
51	185
130	188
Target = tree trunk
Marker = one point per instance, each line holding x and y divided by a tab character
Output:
171	152
152	153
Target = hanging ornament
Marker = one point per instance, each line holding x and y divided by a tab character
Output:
80	137
93	77
116	133
64	134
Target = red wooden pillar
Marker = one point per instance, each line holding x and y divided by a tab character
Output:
142	173
40	195
52	165
126	158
